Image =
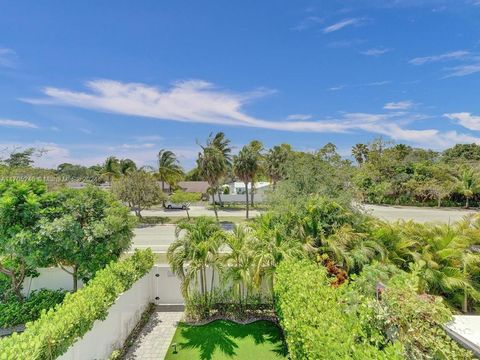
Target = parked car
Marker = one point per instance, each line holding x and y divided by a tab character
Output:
171	205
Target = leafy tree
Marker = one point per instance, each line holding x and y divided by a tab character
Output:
78	172
85	230
213	167
22	158
246	166
466	152
20	208
139	190
182	197
169	170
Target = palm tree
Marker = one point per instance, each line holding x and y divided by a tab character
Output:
169	170
195	248
111	168
212	165
360	153
220	142
275	162
127	166
469	185
239	259
245	167
256	148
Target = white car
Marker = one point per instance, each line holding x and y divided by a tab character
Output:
171	205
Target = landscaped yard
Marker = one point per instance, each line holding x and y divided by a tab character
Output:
227	340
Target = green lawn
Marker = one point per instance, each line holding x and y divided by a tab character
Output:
221	340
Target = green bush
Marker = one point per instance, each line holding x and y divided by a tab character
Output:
56	330
13	312
316	319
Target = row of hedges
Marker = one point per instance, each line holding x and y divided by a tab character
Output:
321	321
56	330
316	320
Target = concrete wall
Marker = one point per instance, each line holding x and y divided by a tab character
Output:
49	278
111	333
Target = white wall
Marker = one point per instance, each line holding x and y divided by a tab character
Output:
111	333
49	278
235	198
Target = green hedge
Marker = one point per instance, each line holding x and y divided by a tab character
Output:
13	312
316	319
56	330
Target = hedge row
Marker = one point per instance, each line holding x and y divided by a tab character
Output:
56	330
316	319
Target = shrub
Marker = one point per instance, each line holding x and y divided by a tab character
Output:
56	330
316	320
13	312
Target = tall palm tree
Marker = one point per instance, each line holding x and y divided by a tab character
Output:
127	166
195	248
256	147
275	162
212	165
220	142
245	167
469	185
111	168
360	153
169	170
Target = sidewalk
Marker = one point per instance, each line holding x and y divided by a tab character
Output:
156	336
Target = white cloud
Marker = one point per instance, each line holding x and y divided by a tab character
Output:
307	23
375	51
400	105
341	24
17	124
7	57
201	102
299	117
463	70
465	119
454	55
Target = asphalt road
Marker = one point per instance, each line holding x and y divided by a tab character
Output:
159	237
199	211
422	215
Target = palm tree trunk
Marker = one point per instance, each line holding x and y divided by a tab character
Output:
252	192
467	203
246	198
75	278
214	205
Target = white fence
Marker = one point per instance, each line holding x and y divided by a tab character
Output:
238	199
110	334
49	278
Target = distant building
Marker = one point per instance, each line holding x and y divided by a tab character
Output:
190	187
238	188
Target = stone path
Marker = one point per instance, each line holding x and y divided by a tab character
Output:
156	336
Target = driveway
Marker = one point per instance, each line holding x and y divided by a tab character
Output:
422	215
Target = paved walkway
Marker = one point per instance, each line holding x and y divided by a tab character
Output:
156	336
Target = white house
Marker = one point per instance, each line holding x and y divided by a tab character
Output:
238	188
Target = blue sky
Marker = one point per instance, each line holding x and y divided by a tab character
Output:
88	79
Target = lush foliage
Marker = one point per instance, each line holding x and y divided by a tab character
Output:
14	312
316	320
56	330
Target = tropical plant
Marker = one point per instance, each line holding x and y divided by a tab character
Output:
360	153
468	184
196	247
127	166
169	170
111	168
275	161
213	167
256	148
245	167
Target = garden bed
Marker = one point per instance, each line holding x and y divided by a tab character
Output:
223	339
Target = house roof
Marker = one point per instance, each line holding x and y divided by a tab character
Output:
191	186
